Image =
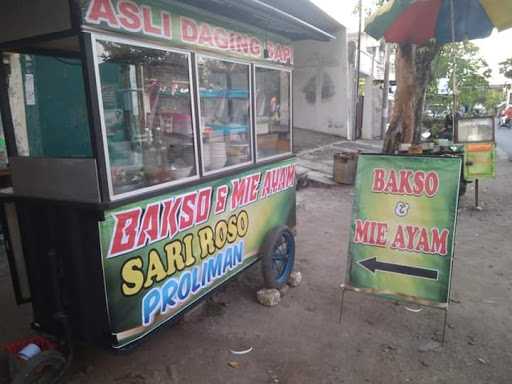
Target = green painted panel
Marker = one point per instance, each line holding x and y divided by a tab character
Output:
57	121
169	22
161	255
480	161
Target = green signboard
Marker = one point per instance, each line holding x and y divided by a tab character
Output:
479	161
163	254
403	227
157	20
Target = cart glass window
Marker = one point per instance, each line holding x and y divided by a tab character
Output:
48	107
225	113
273	123
147	111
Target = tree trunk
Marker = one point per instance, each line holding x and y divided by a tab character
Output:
402	118
424	57
413	73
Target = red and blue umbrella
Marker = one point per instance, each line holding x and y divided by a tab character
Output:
417	21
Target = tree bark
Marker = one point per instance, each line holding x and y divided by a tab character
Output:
402	119
425	55
413	74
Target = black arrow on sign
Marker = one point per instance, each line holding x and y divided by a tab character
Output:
373	265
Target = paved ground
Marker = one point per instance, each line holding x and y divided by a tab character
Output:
315	153
504	139
300	341
305	139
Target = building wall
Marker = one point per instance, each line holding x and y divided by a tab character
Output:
321	96
372	74
372	116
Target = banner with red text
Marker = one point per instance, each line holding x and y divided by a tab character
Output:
163	254
154	19
403	227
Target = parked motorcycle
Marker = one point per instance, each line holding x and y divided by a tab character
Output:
506	117
505	122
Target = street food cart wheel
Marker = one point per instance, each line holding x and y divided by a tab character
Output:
45	368
278	256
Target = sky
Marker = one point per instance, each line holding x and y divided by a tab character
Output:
494	49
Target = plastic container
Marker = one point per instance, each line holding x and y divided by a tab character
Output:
29	351
218	156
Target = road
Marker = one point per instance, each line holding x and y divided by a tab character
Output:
504	140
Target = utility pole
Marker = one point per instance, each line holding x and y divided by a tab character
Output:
385	91
358	69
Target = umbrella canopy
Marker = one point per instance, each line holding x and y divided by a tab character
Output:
417	21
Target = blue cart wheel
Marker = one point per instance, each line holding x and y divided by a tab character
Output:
278	257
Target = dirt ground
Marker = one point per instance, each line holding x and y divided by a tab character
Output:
301	341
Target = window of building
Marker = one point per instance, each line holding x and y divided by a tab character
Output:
148	115
225	117
273	122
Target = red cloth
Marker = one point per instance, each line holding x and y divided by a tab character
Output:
15	346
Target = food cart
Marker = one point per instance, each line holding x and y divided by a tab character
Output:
150	146
477	136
